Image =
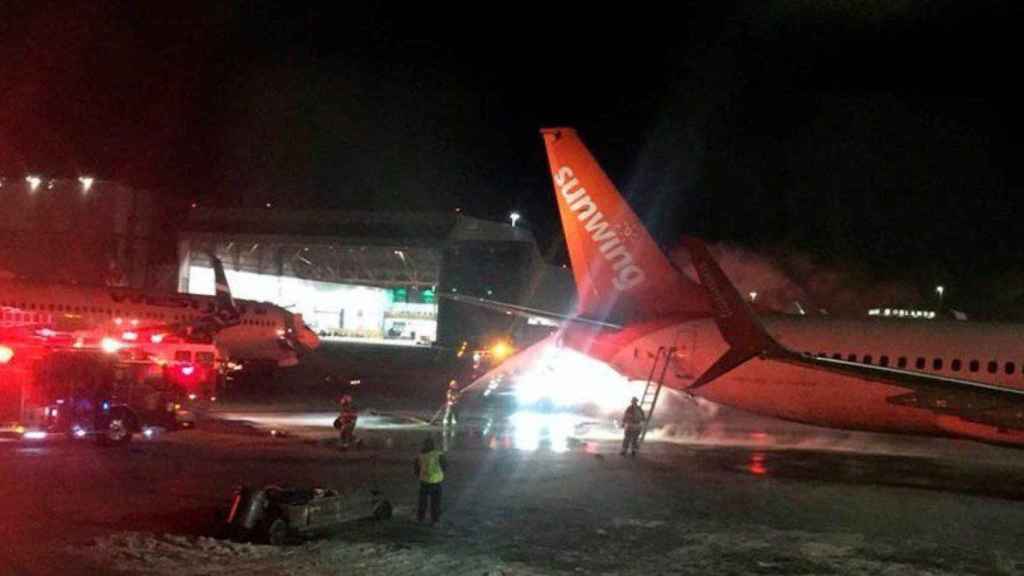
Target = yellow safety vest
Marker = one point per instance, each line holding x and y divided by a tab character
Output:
430	467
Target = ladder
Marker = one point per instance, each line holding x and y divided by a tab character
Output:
653	388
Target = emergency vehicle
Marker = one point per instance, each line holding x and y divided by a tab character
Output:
53	384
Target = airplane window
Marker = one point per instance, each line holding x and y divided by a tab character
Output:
920	363
955	365
902	362
852	357
937	364
867	358
883	360
974	365
993	366
1009	367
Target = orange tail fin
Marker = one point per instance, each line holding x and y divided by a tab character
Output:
617	265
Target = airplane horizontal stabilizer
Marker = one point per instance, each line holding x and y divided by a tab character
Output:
734	318
967	399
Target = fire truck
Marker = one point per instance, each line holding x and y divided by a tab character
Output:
108	389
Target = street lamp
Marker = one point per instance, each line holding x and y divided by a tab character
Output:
33	182
940	290
514	217
86	182
753	295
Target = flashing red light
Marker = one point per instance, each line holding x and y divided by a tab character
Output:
6	353
756	465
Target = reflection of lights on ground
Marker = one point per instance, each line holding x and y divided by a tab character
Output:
534	430
320	420
756	465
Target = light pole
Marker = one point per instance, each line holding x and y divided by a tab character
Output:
86	182
940	290
514	217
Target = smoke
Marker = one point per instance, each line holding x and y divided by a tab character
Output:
794	282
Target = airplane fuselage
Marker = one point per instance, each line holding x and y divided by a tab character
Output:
69	308
981	352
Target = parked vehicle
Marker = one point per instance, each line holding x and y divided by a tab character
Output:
276	515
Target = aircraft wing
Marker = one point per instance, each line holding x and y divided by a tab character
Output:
974	401
526	312
970	400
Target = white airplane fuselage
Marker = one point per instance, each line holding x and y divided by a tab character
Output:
979	351
258	334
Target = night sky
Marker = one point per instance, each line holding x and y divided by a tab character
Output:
876	138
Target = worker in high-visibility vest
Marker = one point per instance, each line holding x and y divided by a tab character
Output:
430	466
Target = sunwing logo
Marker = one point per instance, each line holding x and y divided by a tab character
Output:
628	275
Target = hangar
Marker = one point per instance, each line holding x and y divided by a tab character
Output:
375	276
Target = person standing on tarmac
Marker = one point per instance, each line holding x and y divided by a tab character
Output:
452	396
346	422
632	423
430	466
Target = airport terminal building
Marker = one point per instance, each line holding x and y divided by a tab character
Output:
377	276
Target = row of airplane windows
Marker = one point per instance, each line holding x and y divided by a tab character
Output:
45	317
242	308
921	363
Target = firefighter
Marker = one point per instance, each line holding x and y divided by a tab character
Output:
346	422
632	423
429	467
452	396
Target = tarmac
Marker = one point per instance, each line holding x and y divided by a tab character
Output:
749	502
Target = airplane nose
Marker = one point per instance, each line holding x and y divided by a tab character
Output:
308	339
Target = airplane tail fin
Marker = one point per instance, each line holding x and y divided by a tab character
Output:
226	308
615	262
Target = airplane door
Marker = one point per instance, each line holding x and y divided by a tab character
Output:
684	358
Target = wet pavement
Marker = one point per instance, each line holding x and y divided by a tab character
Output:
737	502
